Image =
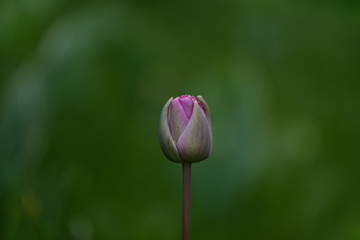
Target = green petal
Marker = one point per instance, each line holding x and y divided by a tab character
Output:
206	108
207	113
195	143
166	142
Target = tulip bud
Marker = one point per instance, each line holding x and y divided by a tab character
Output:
185	129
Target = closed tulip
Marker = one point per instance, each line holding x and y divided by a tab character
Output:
185	129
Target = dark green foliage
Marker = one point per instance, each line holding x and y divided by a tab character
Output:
82	85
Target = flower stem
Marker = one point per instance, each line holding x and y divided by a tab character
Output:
186	201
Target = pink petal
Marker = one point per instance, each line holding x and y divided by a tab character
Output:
177	119
187	102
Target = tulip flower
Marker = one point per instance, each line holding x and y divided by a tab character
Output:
185	136
185	129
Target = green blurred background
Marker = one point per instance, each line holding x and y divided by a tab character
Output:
82	84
